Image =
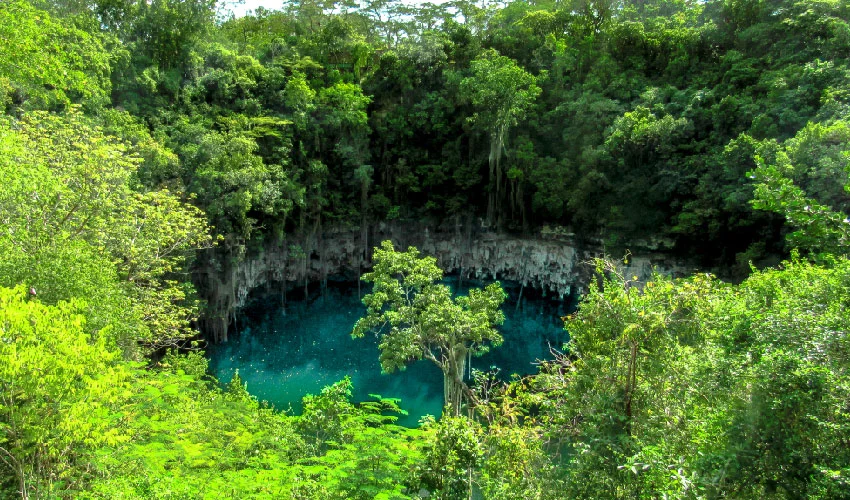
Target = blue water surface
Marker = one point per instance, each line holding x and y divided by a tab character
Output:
286	353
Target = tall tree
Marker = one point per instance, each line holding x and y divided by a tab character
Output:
56	385
502	93
68	185
416	317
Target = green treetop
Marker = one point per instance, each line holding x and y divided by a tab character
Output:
502	93
416	318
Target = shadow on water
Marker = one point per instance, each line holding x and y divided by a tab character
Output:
285	353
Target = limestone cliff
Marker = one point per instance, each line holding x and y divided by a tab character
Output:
552	262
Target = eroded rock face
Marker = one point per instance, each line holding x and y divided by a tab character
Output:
553	263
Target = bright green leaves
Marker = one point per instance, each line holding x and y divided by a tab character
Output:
502	91
515	465
164	30
627	384
81	178
325	415
358	453
48	62
783	362
692	388
228	78
66	400
452	451
345	106
416	317
639	135
56	391
193	441
234	184
634	332
640	118
820	227
69	193
801	180
299	98
391	290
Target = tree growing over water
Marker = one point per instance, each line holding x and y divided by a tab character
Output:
416	317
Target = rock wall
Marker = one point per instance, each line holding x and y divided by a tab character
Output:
552	262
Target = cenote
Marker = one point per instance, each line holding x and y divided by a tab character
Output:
286	352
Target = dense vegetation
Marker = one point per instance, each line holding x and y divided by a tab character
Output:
139	137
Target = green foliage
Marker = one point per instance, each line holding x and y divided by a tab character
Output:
164	29
451	452
687	123
361	453
693	388
56	394
501	89
502	92
186	440
77	421
417	318
800	180
234	184
632	345
621	118
777	342
346	106
516	465
48	64
69	193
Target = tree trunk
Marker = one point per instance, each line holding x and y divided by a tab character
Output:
500	190
497	190
492	195
453	386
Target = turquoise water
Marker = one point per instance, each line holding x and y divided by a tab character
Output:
284	354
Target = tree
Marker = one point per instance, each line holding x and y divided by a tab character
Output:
235	185
56	389
502	92
802	181
165	29
451	451
778	424
68	191
629	359
416	317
